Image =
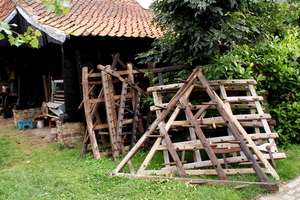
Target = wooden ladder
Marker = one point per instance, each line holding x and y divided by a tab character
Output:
238	141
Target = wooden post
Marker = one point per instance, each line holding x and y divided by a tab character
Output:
89	120
203	140
154	125
238	131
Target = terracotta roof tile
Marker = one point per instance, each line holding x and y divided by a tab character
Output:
6	7
98	17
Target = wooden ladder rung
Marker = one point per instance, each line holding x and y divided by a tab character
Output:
155	136
250	163
174	163
231	150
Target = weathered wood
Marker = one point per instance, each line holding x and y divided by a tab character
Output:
111	114
171	149
137	124
115	74
115	98
197	107
135	118
154	125
157	98
233	82
195	146
220	121
230	160
243	99
89	120
202	172
264	185
121	114
237	130
203	139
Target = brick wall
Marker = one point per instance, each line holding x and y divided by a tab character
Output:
70	133
26	114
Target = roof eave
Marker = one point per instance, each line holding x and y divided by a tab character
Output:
51	31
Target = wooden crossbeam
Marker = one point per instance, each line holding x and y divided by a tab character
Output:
88	117
111	114
239	147
203	140
238	131
159	119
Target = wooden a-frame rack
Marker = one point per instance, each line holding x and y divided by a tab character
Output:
237	147
99	92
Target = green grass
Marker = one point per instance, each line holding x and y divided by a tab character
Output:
57	172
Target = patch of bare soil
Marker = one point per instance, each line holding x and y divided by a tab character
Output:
30	139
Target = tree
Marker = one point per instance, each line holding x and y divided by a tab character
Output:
59	7
198	31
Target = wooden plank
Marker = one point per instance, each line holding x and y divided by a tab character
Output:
103	126
203	172
172	150
110	113
233	82
194	146
214	84
237	159
89	121
137	124
114	98
198	107
121	114
157	98
264	185
203	140
253	136
154	125
243	99
219	120
115	74
237	130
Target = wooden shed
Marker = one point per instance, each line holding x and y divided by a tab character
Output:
88	35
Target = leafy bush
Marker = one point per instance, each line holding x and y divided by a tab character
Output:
197	31
275	65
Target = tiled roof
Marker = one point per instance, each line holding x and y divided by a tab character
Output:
7	7
96	18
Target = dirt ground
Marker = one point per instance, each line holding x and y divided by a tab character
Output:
33	136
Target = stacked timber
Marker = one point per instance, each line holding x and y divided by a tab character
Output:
111	102
219	127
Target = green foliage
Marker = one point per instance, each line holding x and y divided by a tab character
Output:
274	63
59	7
287	115
31	35
198	31
146	102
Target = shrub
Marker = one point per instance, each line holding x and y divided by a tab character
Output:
275	65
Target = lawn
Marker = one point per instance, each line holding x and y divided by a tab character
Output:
40	170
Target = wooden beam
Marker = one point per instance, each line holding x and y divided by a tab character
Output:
154	125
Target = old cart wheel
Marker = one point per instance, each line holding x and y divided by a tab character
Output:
9	103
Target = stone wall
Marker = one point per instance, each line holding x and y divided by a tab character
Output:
70	133
26	114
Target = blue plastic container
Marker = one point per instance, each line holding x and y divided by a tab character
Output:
23	125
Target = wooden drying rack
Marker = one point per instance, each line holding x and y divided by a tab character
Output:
239	147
